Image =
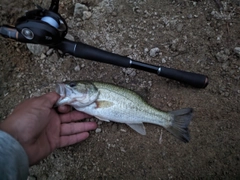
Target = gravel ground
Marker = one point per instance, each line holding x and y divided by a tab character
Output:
198	36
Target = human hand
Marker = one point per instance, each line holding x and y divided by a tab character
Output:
40	128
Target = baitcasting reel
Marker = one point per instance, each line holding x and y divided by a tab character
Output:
39	26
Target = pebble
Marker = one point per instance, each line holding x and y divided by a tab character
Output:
54	57
190	16
146	50
129	71
225	66
77	68
221	56
86	15
123	130
122	149
164	60
69	37
179	27
79	9
114	127
154	52
98	130
49	52
43	56
237	50
37	49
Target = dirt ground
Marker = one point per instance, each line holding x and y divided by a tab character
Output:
198	36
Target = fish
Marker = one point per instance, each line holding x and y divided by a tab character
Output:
109	102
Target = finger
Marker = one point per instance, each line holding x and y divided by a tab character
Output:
74	128
73	116
73	139
64	109
50	98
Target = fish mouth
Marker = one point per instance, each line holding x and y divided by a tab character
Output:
64	91
60	89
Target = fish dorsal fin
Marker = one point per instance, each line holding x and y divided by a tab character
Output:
138	127
104	104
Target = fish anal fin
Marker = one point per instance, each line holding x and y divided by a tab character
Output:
102	119
104	104
140	128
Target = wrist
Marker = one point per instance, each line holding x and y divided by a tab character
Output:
13	159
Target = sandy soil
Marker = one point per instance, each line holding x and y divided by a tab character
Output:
198	36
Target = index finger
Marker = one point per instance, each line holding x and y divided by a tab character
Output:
64	109
73	116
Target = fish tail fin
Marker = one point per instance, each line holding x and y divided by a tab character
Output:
179	125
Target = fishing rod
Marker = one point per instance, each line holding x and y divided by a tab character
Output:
48	27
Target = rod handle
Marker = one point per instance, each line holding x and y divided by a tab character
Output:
194	79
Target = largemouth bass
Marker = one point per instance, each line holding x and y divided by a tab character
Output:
108	102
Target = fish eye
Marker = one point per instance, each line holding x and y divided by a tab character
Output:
72	84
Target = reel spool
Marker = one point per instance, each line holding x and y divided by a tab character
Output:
50	21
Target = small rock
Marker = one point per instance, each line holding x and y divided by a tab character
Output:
190	16
99	122
122	149
227	51
221	56
129	71
154	52
146	50
69	37
237	50
225	66
114	14
49	52
123	130
164	60
181	48
86	15
37	49
43	56
79	9
179	27
114	127
54	57
77	68
98	130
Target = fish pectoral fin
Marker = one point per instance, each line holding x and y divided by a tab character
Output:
102	119
104	104
140	128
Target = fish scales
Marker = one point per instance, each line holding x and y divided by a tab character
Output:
129	109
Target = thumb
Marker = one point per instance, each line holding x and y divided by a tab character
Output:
50	98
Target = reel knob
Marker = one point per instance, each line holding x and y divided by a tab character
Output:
27	33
